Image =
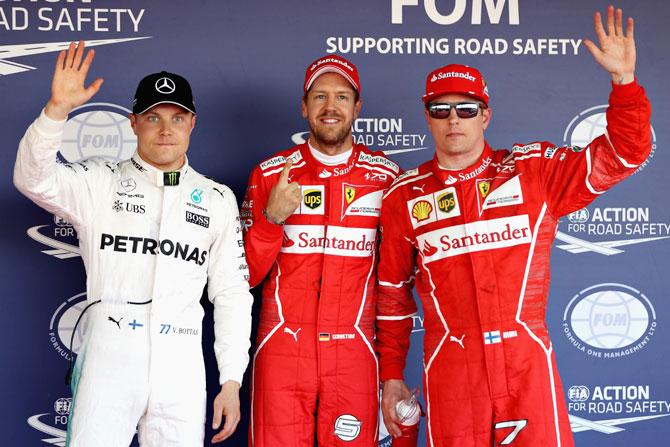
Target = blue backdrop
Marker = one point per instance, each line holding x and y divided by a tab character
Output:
608	310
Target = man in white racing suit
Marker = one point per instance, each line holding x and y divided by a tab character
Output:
152	233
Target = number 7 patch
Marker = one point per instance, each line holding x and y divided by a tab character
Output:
518	426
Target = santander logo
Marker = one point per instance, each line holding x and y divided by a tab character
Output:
476	236
428	249
338	241
452	74
286	241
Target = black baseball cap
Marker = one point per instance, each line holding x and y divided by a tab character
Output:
163	88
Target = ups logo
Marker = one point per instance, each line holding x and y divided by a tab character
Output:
312	198
446	202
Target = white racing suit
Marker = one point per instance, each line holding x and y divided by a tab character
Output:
150	241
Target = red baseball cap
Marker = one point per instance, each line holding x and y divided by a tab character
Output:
332	64
455	78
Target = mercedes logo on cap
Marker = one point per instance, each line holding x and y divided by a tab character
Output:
165	86
161	88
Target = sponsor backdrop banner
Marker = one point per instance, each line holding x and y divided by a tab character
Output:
608	311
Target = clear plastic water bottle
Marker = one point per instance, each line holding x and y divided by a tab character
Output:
409	413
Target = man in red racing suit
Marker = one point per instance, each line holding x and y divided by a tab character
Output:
315	370
480	236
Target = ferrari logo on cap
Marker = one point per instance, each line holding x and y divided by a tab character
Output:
349	194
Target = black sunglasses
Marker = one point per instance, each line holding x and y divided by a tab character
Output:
442	110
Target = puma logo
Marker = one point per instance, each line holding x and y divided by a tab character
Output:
419	188
118	323
294	334
457	340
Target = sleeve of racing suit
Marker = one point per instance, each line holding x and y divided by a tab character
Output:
228	290
262	239
572	177
395	276
62	189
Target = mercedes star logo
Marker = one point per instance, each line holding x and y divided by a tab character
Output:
165	86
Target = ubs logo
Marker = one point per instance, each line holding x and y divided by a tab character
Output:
119	206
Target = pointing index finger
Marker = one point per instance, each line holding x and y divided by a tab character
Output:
283	177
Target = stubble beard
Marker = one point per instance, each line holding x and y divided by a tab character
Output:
331	137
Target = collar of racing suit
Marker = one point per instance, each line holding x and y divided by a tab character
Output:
330	160
324	170
155	175
452	176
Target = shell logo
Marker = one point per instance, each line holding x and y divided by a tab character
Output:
421	210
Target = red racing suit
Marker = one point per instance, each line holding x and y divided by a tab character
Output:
315	351
476	243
